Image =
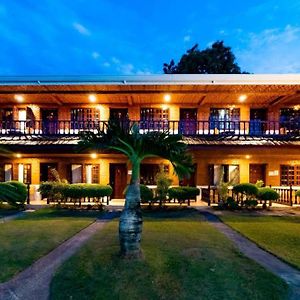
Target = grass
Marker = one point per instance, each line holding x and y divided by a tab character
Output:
185	258
279	235
24	240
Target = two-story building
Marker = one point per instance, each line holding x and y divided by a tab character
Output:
243	127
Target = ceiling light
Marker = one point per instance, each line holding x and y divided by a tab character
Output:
92	98
19	98
18	155
167	97
93	155
248	156
242	98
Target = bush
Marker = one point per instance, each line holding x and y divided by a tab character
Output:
13	192
182	193
163	182
146	194
251	203
247	189
267	194
298	193
57	191
231	204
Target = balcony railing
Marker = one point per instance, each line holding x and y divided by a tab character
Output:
187	128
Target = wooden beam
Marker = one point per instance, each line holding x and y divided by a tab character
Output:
201	101
283	99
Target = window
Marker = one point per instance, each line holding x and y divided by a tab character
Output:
289	175
76	173
154	118
149	172
84	118
24	173
5	172
224	118
92	173
290	119
228	173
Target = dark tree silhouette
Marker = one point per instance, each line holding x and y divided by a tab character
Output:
217	59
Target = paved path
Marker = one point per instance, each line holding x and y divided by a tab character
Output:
13	216
34	282
264	258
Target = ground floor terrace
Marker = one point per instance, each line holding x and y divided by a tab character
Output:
275	166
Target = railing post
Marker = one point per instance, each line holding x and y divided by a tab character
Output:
291	195
28	193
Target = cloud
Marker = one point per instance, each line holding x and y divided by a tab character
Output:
187	38
106	64
95	55
81	29
115	60
273	50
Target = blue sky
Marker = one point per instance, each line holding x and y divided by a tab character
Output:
136	37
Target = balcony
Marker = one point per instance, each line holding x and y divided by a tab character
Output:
62	128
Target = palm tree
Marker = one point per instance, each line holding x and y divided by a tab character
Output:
136	147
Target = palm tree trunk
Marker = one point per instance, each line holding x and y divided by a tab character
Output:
131	222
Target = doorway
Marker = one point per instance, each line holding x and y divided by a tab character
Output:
188	121
45	171
258	118
118	113
49	120
257	172
118	179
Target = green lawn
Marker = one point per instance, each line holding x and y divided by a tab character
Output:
24	240
279	235
185	258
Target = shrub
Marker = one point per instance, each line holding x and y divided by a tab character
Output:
231	203
163	182
247	189
267	194
146	194
298	193
13	192
182	193
251	203
74	192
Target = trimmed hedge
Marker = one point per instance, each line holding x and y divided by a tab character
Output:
147	195
247	189
267	193
13	192
77	191
182	193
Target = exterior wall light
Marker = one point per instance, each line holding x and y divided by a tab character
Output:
92	98
94	155
19	98
167	97
242	98
18	155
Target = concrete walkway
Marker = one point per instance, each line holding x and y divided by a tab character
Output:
34	282
289	274
14	216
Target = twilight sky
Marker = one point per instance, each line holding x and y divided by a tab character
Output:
76	37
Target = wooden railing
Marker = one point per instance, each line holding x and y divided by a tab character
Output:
187	128
287	194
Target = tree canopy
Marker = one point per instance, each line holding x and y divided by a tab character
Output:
217	59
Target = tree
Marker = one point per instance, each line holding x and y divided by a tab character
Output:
136	147
217	59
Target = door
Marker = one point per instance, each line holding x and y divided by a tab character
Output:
49	121
22	120
118	179
257	172
118	113
188	121
46	173
258	118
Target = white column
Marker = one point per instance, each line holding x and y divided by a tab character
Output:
21	172
88	170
